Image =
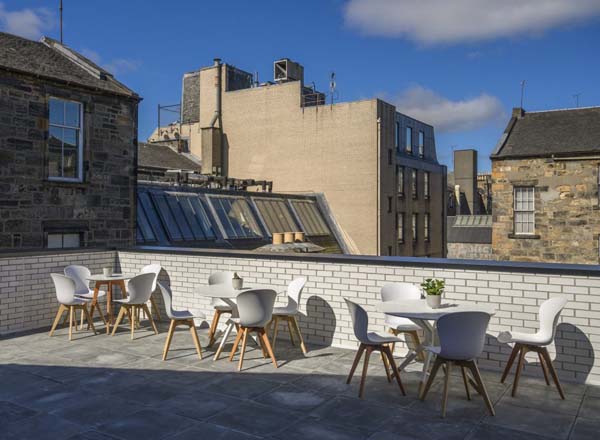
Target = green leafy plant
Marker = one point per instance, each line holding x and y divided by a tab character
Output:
433	286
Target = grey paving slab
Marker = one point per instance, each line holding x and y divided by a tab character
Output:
590	407
353	412
92	435
11	412
146	424
40	427
585	429
255	418
317	429
415	424
239	386
491	432
545	399
199	406
213	432
148	393
92	410
294	397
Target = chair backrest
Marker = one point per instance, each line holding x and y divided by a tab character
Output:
549	314
220	278
139	288
400	292
294	290
155	269
167	298
65	288
80	275
255	307
360	321
462	334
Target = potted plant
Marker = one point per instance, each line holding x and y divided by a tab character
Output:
433	289
237	282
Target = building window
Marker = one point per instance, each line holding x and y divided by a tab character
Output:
397	135
414	184
426	188
426	227
65	140
400	178
414	227
390	251
64	240
409	139
400	226
421	143
389	205
389	157
524	210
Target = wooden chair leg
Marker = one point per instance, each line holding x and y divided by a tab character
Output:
486	397
145	307
236	344
511	360
289	324
544	369
519	369
466	382
119	319
390	356
64	321
265	338
295	323
224	340
155	309
436	366
385	365
89	318
195	338
132	313
275	329
172	326
553	372
59	312
363	378
417	341
245	332
213	327
446	388
359	353
71	311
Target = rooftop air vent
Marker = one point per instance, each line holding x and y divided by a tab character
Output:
287	70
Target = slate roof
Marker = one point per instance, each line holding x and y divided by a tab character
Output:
163	156
569	132
469	229
50	59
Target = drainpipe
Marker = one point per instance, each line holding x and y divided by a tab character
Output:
378	187
217	115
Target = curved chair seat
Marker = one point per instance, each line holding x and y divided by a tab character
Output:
76	302
186	314
377	339
223	308
140	289
524	338
90	294
289	313
287	310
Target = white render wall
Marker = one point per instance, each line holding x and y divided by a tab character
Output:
27	298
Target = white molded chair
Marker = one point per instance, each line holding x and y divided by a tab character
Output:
289	312
81	275
155	269
220	306
179	318
139	289
462	337
255	308
369	342
69	302
397	325
549	313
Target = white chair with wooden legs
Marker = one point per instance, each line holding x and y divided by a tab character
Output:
155	269
220	306
81	275
398	325
462	337
289	313
369	342
255	308
69	303
139	289
537	342
179	318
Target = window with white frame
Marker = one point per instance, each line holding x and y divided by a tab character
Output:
426	188
421	143
414	184
400	177
65	140
400	226
397	134
414	227
63	240
524	207
426	227
409	139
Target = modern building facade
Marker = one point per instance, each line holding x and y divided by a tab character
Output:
376	167
545	178
68	149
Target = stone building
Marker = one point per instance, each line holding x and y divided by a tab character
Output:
68	138
545	187
377	168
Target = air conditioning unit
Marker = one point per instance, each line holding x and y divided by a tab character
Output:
287	70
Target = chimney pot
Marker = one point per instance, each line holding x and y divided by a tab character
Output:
518	112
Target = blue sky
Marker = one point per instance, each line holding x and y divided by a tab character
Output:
457	66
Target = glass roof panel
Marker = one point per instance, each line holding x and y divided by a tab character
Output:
152	216
236	217
276	215
311	217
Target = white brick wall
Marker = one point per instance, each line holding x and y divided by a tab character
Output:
27	297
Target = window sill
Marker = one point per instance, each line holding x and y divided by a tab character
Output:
67	183
525	236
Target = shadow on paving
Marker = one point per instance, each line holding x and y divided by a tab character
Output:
101	387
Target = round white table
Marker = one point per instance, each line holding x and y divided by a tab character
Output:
421	314
228	294
116	279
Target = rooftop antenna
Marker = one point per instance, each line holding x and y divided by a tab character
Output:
61	21
522	91
576	96
332	85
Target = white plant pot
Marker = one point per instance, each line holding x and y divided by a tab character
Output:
237	283
107	272
434	301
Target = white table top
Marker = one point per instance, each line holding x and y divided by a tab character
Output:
113	277
227	290
418	309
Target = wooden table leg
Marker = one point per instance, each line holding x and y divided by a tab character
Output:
109	305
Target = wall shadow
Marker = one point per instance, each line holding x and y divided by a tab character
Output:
318	315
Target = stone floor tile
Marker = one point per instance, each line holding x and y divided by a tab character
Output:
585	429
199	405
42	426
91	410
255	418
295	398
491	432
415	424
146	424
212	432
242	386
353	412
318	429
11	412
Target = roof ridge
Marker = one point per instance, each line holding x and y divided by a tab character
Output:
563	109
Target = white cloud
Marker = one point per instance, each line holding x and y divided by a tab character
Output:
28	23
446	115
454	21
116	66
